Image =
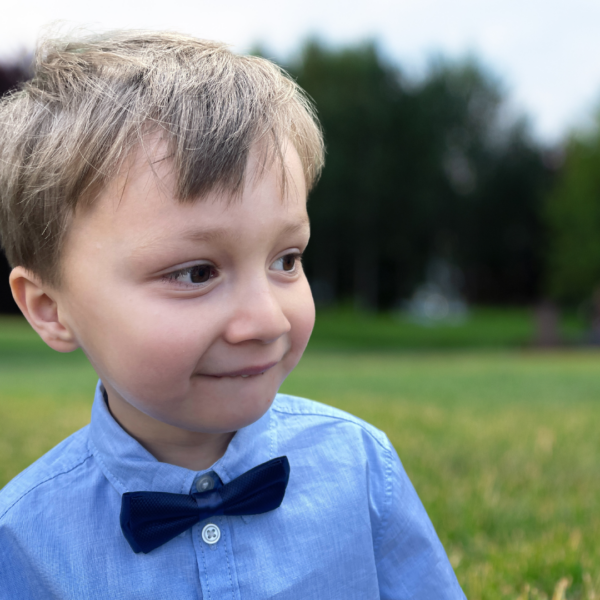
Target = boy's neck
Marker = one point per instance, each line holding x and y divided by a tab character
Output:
192	450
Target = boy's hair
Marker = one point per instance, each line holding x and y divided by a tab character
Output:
92	100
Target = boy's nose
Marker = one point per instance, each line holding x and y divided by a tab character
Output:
257	315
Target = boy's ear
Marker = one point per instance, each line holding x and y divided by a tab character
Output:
38	303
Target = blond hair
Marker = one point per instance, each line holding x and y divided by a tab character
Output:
93	99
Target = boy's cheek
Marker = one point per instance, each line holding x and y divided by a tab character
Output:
304	321
309	312
144	357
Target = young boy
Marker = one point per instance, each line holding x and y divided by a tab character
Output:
153	207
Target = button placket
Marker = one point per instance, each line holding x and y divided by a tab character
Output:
216	562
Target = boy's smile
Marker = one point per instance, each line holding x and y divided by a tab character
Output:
191	313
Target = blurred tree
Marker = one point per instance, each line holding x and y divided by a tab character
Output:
480	185
573	217
357	97
10	77
417	172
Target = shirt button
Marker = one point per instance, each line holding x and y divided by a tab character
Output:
205	483
211	534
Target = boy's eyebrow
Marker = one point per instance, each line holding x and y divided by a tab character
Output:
216	233
210	235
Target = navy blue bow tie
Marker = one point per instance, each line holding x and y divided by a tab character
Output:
150	519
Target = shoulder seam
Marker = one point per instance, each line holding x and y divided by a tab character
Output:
41	483
353	421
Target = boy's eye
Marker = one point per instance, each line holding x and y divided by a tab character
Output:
195	274
286	263
200	273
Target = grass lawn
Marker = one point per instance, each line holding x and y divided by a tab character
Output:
503	446
344	329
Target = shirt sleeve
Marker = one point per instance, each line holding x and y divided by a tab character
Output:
411	561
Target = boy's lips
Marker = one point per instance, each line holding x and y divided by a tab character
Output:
247	372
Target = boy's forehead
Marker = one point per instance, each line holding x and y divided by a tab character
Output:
141	201
149	168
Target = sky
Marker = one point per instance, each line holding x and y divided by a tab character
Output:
546	53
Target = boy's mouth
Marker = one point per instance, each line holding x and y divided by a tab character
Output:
247	372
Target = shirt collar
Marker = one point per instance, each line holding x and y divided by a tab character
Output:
131	468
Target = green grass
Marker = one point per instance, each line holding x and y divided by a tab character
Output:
503	446
345	329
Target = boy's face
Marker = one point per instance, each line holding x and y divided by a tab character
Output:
192	314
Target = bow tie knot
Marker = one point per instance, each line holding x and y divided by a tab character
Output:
150	519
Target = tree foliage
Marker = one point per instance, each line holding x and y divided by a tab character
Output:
573	218
418	171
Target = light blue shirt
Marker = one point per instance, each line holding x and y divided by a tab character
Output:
350	527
